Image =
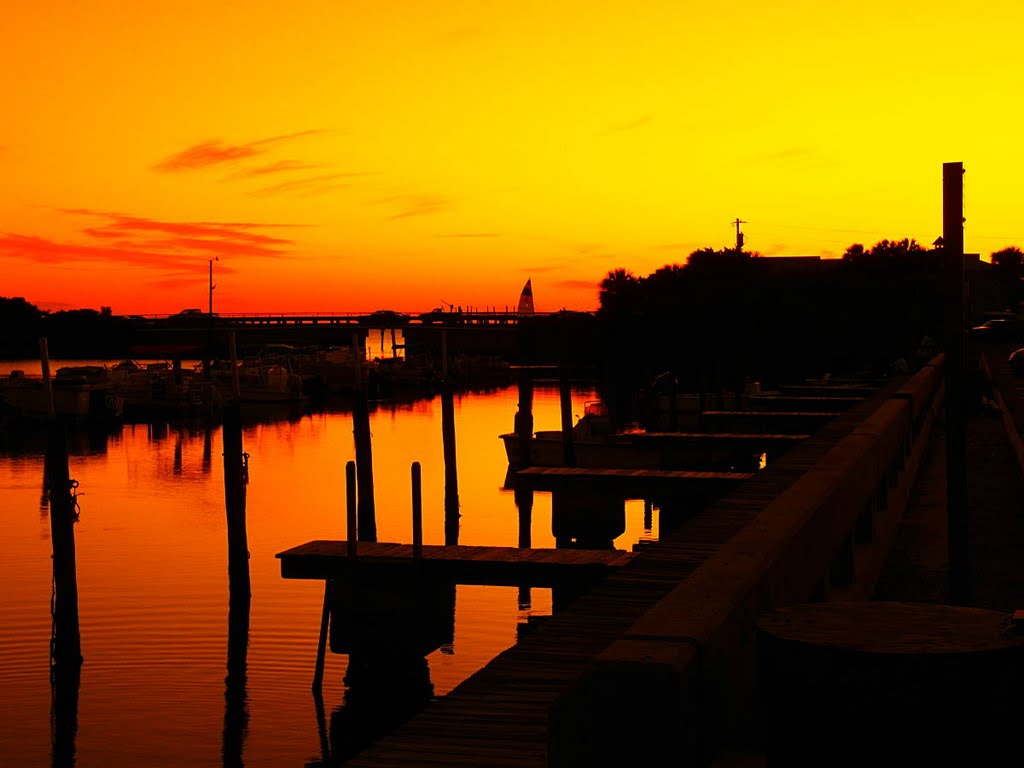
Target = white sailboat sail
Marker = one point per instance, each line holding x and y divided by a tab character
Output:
526	299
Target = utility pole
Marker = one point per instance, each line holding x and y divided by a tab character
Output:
956	379
739	235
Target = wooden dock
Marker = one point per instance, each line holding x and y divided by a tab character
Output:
803	403
769	422
494	566
503	714
629	483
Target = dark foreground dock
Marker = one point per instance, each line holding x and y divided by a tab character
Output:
654	665
460	564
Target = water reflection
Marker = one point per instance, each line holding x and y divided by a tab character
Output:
236	701
155	517
386	631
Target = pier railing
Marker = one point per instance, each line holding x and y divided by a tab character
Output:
680	683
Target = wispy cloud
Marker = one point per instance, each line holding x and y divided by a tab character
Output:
416	205
313	185
139	241
469	234
281	166
217	152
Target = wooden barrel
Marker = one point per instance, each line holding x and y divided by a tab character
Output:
878	683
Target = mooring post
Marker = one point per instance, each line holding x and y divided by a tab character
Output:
352	550
234	498
524	417
66	658
235	479
524	505
565	398
417	512
44	361
364	452
351	516
451	474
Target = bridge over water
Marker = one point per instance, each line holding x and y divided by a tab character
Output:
473	332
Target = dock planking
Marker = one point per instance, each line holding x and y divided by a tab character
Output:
626	481
501	714
460	564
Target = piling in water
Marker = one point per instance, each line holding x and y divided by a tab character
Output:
234	502
565	400
524	418
364	454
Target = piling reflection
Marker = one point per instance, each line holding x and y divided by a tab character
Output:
64	688
236	702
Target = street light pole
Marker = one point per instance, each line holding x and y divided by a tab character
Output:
212	286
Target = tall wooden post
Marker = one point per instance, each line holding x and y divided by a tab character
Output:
451	472
417	512
956	379
234	502
66	643
364	452
565	399
524	417
66	651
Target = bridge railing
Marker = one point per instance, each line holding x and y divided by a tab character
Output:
681	683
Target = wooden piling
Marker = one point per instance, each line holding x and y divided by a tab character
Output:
364	454
351	514
44	360
352	550
524	505
417	512
234	501
565	398
66	648
524	417
451	475
233	353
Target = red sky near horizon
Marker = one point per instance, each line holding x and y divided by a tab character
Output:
341	157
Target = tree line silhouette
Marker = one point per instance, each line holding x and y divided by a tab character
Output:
72	333
728	317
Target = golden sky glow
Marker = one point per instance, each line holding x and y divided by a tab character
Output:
340	156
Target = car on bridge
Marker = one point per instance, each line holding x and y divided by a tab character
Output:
386	318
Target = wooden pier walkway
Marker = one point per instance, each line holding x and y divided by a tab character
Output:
772	422
501	716
629	483
459	564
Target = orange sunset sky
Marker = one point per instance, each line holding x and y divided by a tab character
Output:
342	156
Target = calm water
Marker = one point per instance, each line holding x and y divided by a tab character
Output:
152	579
